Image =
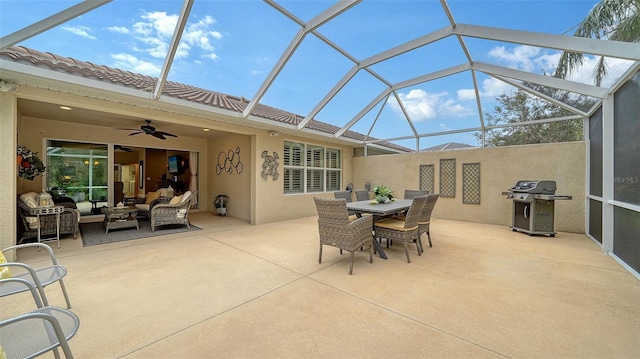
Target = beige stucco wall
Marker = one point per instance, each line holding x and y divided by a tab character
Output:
271	204
237	151
500	169
8	210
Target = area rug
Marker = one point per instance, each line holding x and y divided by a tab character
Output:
93	233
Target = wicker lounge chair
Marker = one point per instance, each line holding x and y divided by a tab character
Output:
336	230
69	219
174	212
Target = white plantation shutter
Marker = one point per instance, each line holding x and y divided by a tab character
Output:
320	169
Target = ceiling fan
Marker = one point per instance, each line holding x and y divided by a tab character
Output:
122	148
149	130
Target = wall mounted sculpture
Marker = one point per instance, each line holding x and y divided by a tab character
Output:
229	161
270	165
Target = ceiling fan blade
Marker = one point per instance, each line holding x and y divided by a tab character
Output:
158	135
135	133
166	133
127	129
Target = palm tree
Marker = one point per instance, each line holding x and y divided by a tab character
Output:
617	20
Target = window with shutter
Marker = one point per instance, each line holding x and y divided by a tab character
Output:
320	169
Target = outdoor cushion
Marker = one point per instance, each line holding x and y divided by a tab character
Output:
151	196
394	224
4	272
176	200
186	196
143	206
30	200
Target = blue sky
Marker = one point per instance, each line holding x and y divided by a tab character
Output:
231	46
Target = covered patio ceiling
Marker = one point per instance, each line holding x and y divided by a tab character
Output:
429	72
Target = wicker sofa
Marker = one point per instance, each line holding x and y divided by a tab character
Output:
69	218
174	212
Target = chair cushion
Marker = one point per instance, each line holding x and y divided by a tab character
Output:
152	196
176	199
181	213
4	272
29	199
186	196
143	206
394	224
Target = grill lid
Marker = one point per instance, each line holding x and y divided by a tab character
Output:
536	187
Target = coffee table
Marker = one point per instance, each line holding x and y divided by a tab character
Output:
120	217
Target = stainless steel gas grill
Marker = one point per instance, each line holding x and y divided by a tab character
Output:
533	206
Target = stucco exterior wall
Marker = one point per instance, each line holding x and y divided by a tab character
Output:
500	168
271	204
8	128
234	152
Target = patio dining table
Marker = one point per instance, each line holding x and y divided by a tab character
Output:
379	210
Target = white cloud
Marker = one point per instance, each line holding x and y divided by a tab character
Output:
519	57
490	88
81	31
256	72
127	61
422	106
119	30
542	61
155	32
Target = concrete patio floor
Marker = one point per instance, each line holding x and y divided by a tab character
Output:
233	290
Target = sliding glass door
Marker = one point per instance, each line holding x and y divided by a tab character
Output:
78	171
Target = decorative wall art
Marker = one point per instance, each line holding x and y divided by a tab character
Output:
270	165
228	162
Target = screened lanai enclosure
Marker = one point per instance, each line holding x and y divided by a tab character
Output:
380	76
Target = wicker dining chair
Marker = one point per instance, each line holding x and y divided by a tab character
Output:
410	193
425	218
362	195
343	194
402	230
337	230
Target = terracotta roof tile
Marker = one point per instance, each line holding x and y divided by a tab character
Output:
71	66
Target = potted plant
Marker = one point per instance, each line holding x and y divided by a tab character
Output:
221	204
30	165
382	194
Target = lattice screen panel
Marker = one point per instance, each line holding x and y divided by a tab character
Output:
471	183
427	178
448	178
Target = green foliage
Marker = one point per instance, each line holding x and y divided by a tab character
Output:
382	193
518	106
617	20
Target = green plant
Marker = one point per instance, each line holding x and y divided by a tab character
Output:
29	162
382	193
220	201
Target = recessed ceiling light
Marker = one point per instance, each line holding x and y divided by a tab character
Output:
66	108
206	130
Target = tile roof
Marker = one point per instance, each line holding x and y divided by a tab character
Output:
46	60
448	146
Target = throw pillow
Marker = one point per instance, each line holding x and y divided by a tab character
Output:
186	196
4	271
176	200
152	196
29	199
